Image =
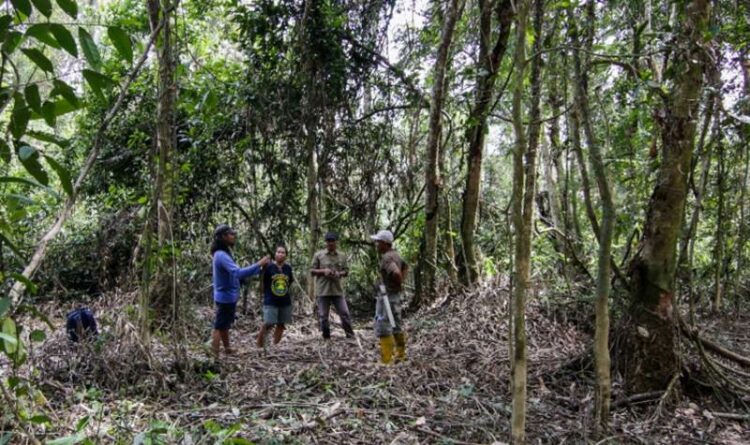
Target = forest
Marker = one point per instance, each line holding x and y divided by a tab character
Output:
374	221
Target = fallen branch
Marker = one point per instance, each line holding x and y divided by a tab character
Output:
644	397
692	333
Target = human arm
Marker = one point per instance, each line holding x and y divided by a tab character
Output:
253	269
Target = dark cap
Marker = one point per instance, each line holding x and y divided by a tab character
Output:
223	229
331	236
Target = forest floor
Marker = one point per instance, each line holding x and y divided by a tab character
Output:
454	388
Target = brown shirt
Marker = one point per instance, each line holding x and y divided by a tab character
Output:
336	261
390	262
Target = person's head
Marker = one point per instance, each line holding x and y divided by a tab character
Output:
383	240
224	238
280	254
331	241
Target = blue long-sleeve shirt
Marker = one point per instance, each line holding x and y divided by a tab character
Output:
227	276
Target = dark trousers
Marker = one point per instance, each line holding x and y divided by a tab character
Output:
324	308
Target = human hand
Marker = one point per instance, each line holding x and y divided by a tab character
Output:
263	261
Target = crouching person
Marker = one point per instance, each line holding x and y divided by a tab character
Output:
392	271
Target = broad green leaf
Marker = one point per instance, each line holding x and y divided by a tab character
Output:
98	82
15	180
47	137
37	335
66	91
9	335
24	6
5	22
69	6
19	117
67	440
40	419
49	114
43	6
11	42
31	92
4	151
4	305
39	59
29	158
90	51
43	33
29	285
122	43
5	438
62	173
64	38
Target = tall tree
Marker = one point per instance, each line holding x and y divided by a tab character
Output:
650	355
488	66
521	208
606	229
432	179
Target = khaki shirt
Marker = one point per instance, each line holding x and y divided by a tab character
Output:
391	261
336	261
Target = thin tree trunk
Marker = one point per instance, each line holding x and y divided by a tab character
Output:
488	67
650	353
719	234
601	337
522	230
432	179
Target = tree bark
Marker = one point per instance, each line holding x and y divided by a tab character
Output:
650	355
487	71
522	229
433	182
606	230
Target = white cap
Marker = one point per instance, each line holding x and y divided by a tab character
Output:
384	235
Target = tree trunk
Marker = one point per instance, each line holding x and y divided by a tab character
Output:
432	180
487	69
650	355
522	230
605	235
163	294
719	234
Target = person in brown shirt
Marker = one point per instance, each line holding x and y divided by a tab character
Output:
329	266
392	272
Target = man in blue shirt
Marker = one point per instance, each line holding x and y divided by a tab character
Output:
226	281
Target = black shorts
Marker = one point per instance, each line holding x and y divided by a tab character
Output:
225	313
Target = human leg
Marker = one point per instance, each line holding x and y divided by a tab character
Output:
343	310
324	309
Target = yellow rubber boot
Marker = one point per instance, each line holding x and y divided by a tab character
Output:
400	340
386	349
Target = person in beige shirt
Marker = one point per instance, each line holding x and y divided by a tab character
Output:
392	270
329	266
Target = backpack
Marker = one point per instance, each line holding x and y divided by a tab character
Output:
81	324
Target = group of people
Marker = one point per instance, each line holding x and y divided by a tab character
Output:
329	267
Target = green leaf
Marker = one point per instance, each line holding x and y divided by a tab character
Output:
62	173
9	335
4	151
29	285
49	114
47	137
19	117
23	181
40	419
5	438
29	157
31	92
39	59
4	305
67	440
43	6
43	33
12	246
5	22
69	6
66	91
98	82
11	42
122	43
90	51
64	38
23	6
37	335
